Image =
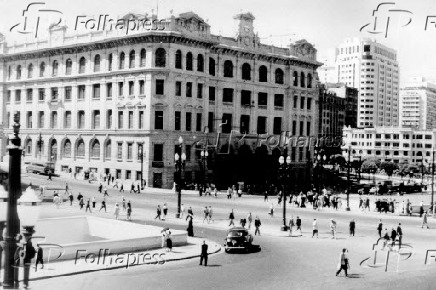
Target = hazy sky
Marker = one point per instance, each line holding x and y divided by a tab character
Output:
322	22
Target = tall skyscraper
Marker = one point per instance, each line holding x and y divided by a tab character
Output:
373	69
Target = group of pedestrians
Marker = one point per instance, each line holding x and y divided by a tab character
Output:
390	237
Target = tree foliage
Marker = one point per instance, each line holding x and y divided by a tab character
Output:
388	167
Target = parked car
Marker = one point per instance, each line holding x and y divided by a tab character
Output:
40	167
238	238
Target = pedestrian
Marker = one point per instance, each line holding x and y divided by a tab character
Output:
393	236
190	211
39	257
265	196
210	214
164	237
117	211
132	188
123	201
81	203
190	228
182	210
242	222
159	212
169	242
138	188
71	197
113	178
352	227
333	228
100	187
206	214
129	211
79	196
344	263
315	228
165	211
229	193
231	218
271	210
93	202
115	185
122	187
49	176
291	225
88	206
386	237
203	256
105	191
298	224
424	221
103	205
66	188
215	192
421	208
400	235
257	225
250	220
380	228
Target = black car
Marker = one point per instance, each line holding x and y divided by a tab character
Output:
238	238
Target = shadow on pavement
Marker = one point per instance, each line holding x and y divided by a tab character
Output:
355	276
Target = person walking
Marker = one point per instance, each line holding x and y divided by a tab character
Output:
333	228
229	193
380	228
343	263
103	205
39	257
206	214
210	215
257	225
66	188
122	187
421	208
100	188
81	203
298	224
123	201
352	227
165	211
105	191
203	256
424	220
265	196
158	212
132	188
291	225
315	228
169	242
400	235
393	236
117	211
129	211
271	210
182	210
190	228
88	206
71	197
231	218
93	202
49	176
115	185
138	188
250	220
190	211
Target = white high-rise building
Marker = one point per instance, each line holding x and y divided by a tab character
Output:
418	104
373	69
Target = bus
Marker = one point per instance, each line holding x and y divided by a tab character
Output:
40	167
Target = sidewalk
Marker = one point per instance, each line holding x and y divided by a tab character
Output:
89	262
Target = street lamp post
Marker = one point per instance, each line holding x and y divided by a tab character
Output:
422	171
12	220
141	156
348	176
40	145
319	157
204	154
180	166
284	168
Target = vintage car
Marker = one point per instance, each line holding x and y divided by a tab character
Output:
238	238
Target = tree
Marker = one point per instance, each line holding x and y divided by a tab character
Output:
388	167
369	165
337	159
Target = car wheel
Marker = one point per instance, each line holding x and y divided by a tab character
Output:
226	250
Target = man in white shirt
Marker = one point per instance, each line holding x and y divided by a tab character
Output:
315	228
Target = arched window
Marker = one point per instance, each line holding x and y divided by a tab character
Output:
228	69
189	61
178	59
200	63
160	57
18	72
309	80
97	63
42	69
68	66
67	148
30	71
55	68
279	76
302	80
80	149
263	74
121	61
211	66
295	79
82	65
143	55
95	149
108	150
246	72
28	147
132	59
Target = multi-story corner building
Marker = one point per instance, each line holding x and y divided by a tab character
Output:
373	69
350	95
391	144
331	112
99	99
418	104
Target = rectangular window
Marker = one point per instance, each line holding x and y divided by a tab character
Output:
245	98
277	129
227	123
262	99
96	119
188	121
8	96
68	94
211	122
67	120
81	119
131	88
212	94
177	120
120	151
309	103
227	95
141	120
294	128
188	152
189	90
301	128
96	91
302	103
54	94
158	152
278	100
261	125
244	126
160	87
81	92
308	129
109	119
366	48
29	97
140	152
41	95
199	91
17	96
130	120
120	89
178	89
109	91
29	120
141	87
129	151
158	120
295	102
199	116
120	120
